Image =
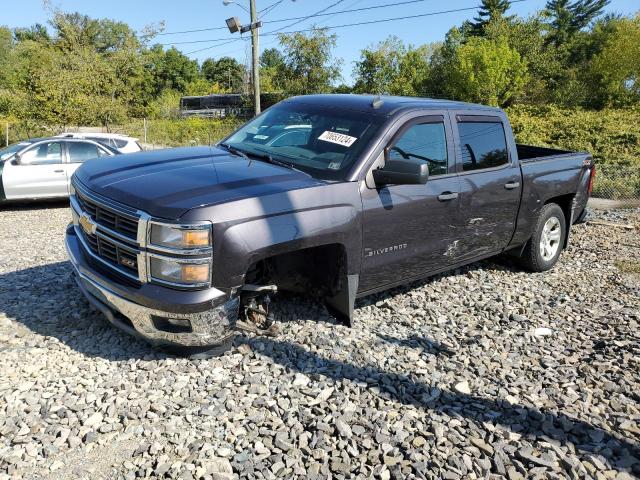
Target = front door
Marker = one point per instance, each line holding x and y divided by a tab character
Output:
40	173
409	230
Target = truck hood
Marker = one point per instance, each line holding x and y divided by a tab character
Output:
167	183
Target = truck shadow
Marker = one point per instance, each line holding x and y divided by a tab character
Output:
46	300
528	421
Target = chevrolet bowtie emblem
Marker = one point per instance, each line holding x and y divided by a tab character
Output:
88	225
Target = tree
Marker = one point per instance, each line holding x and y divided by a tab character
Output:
490	11
272	71
309	66
569	18
546	63
391	68
486	71
6	45
74	29
271	58
35	33
616	68
441	63
226	72
171	69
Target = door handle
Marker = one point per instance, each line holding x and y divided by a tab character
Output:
511	185
446	196
58	171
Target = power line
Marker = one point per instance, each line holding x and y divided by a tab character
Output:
319	12
353	4
356	24
266	10
281	20
214	46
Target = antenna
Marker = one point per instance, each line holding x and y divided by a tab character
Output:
377	102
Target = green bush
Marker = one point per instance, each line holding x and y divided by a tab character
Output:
182	132
612	136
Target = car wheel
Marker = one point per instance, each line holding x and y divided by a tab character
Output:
545	245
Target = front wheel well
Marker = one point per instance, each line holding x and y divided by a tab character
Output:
318	270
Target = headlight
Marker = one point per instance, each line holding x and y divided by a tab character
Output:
180	236
182	272
183	254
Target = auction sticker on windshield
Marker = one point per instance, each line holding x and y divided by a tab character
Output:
339	138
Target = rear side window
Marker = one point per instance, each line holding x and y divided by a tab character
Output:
81	151
483	145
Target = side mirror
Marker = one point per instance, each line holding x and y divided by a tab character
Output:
407	171
16	160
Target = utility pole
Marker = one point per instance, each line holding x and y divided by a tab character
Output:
234	25
255	54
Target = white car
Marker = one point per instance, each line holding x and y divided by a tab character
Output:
122	143
41	168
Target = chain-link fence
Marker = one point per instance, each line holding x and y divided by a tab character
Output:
15	131
617	182
161	133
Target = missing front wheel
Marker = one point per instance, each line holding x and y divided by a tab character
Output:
255	316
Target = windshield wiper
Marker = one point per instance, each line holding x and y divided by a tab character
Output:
269	158
235	151
265	156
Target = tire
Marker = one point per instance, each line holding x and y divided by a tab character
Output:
545	245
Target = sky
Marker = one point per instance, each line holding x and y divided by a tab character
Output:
202	14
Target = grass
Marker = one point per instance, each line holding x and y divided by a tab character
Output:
628	266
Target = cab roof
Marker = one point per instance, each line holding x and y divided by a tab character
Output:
390	105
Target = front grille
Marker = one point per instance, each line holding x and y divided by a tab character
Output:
106	217
114	241
112	252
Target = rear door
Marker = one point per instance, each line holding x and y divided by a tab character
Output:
408	229
39	174
79	151
490	184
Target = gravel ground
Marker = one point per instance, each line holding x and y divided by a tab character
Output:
486	372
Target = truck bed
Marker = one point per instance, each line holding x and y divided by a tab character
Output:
531	152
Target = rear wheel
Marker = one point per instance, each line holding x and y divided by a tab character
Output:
544	247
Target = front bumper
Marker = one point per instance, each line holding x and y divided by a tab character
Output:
167	318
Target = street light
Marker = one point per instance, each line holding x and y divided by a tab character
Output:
226	3
235	26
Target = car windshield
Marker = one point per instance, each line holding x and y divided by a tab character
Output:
324	143
8	152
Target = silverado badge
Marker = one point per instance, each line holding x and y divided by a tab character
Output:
88	225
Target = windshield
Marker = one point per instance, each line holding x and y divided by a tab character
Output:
320	142
8	152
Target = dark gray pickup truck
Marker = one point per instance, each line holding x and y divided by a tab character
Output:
337	195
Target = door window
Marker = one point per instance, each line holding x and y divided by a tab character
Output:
483	145
82	151
43	154
424	141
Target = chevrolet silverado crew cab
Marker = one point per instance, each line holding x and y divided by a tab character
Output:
336	195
